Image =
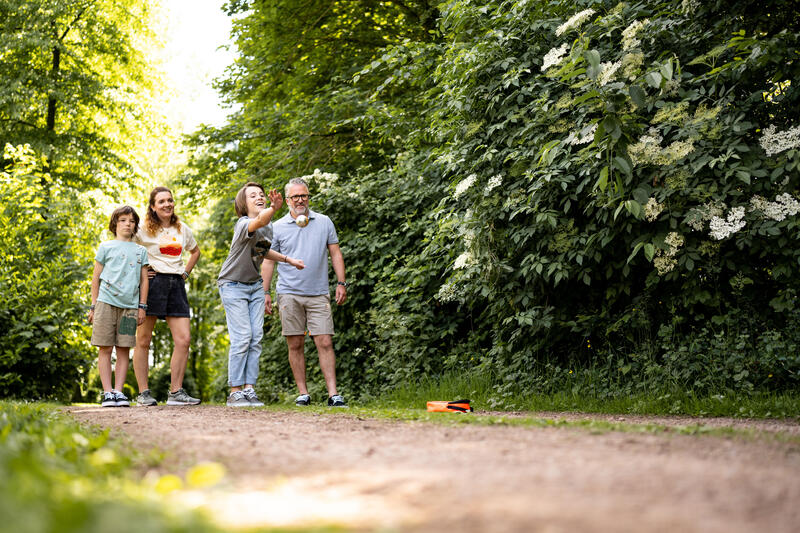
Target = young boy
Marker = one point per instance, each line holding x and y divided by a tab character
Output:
119	296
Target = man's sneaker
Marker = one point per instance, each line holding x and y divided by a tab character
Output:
336	401
238	399
145	398
108	400
121	399
180	397
303	400
251	396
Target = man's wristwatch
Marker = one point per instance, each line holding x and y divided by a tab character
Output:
343	284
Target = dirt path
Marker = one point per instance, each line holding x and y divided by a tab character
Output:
288	468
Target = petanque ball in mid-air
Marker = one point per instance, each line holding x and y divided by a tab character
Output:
302	221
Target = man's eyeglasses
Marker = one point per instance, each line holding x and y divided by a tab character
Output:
298	197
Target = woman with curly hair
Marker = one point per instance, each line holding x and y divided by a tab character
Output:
166	238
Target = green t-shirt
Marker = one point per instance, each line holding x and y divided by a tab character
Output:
122	269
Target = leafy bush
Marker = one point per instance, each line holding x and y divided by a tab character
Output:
46	255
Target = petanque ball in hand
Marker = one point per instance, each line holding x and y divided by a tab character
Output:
302	221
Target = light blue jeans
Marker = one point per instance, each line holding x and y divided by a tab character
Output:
244	312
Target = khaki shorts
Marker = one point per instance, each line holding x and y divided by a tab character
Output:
305	313
114	326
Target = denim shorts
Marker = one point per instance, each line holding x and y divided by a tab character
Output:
167	296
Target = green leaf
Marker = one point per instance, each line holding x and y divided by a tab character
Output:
649	251
666	70
622	164
593	57
654	79
638	96
602	181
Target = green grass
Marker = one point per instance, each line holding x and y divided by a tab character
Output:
58	476
482	391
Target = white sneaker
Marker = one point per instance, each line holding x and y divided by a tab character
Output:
238	399
251	396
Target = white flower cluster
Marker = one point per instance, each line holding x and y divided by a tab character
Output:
652	209
554	56
774	142
690	6
723	228
463	260
494	182
607	71
629	39
649	150
575	21
785	205
631	63
450	292
664	260
584	136
465	184
324	180
674	240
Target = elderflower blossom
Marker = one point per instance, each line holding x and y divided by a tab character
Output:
324	180
449	292
774	142
607	71
652	209
664	260
674	240
575	21
629	39
664	264
584	136
631	63
465	184
784	205
494	182
723	228
463	260
649	150
554	56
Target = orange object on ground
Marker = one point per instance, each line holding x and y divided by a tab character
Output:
458	406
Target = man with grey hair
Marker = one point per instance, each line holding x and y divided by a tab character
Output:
303	296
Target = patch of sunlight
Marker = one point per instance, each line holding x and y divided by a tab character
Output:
353	498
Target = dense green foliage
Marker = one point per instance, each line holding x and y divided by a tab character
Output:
77	133
629	207
525	190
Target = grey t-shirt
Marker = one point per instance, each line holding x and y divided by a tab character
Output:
247	253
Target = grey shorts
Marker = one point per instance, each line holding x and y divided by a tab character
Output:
305	313
114	326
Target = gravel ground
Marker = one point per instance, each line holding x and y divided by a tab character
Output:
295	468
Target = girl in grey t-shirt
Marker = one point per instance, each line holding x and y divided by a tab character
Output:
240	288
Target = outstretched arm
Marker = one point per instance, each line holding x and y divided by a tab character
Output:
264	217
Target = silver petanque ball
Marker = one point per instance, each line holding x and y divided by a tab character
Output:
301	221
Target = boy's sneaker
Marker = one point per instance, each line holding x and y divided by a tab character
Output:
145	398
336	401
121	399
180	397
108	400
251	396
238	399
303	400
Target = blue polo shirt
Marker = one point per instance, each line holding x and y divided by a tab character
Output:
310	244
